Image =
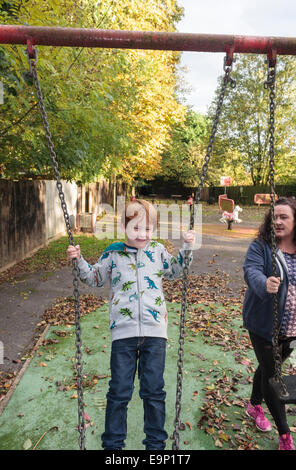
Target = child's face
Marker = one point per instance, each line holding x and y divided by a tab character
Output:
139	233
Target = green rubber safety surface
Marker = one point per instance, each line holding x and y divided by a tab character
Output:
216	386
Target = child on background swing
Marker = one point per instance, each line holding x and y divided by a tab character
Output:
138	320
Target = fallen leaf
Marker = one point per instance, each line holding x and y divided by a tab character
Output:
246	362
210	430
222	435
218	443
27	444
86	417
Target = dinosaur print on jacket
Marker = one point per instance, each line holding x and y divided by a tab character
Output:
159	301
150	255
140	264
133	266
153	243
127	285
116	279
126	312
154	313
165	264
159	273
133	296
151	284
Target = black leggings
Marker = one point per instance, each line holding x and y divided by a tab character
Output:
261	389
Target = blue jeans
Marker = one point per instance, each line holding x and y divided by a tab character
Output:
149	354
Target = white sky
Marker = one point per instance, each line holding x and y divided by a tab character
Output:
239	17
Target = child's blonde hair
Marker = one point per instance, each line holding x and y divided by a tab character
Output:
139	208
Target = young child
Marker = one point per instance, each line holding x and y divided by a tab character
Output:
138	320
190	202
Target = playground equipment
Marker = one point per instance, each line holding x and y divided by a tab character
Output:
77	37
225	204
263	199
230	217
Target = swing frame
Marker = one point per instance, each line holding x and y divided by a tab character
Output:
78	37
104	38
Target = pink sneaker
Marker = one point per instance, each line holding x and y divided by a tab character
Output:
256	412
286	442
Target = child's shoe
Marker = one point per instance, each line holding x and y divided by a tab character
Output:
257	414
286	442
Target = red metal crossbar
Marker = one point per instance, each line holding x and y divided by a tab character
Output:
78	37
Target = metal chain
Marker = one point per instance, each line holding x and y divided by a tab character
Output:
270	83
79	377
177	423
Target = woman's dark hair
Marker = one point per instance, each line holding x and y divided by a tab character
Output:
264	232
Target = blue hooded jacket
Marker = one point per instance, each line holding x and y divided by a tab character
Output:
257	308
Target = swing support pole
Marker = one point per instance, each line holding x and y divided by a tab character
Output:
85	37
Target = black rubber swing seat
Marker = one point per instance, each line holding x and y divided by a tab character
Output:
290	382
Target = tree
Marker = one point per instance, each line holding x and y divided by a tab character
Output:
243	128
183	156
185	153
109	110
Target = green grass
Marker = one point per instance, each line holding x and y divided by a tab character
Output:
54	255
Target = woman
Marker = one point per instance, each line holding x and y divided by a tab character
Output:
258	312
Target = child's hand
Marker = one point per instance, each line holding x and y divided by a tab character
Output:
73	252
189	237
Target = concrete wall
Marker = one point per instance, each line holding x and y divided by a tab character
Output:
55	224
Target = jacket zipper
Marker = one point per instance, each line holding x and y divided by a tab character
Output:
139	294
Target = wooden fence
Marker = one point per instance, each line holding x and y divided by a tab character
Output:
22	219
31	214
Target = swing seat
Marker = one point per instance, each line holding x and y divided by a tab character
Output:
290	382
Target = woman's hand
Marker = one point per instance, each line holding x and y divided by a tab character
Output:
73	252
272	284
